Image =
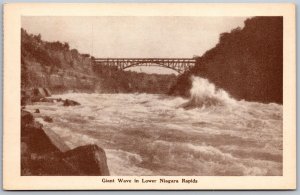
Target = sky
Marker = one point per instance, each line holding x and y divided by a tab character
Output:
134	36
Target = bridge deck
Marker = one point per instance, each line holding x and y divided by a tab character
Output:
178	64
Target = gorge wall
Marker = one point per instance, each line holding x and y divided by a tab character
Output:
55	66
247	63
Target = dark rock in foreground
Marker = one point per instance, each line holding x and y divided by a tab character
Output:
39	156
33	136
87	160
83	160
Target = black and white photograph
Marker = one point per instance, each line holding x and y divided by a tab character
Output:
141	95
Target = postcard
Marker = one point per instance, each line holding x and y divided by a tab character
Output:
149	96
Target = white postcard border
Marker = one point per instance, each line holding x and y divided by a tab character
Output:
11	99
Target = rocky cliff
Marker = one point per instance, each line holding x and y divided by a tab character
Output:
55	66
246	62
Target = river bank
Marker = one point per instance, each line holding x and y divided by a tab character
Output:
43	152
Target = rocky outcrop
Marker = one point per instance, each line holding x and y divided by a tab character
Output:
246	62
48	119
42	95
39	156
87	160
51	100
68	102
33	138
34	95
41	92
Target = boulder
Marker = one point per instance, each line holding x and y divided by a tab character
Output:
68	102
39	92
48	92
35	95
40	156
34	136
88	160
48	119
49	164
50	100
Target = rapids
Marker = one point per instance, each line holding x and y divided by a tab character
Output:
147	134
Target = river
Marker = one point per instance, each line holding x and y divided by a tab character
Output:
150	134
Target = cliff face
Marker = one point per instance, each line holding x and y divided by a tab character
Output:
246	62
55	66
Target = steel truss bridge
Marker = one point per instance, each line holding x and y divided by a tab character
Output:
180	65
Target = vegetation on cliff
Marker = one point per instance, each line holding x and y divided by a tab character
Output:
246	62
55	66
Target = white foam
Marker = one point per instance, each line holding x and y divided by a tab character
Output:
204	94
124	163
156	132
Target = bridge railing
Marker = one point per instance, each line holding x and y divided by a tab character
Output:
178	64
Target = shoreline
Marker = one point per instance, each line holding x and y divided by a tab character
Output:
44	153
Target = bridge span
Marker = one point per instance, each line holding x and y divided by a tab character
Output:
180	65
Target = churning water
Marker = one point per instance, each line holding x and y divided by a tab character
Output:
146	134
